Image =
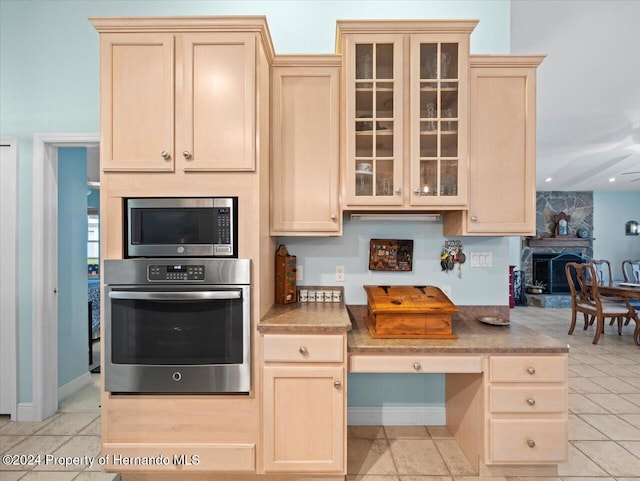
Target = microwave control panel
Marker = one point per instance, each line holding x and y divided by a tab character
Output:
176	273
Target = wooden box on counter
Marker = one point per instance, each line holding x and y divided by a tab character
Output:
286	267
419	312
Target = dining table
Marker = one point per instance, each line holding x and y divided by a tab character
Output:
628	290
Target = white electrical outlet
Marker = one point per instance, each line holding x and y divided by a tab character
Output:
340	273
299	273
446	290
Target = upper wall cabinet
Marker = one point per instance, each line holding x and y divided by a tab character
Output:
179	94
502	195
305	97
405	111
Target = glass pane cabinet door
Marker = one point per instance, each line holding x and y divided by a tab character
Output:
374	169
438	176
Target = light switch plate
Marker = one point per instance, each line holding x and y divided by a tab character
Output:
299	273
340	273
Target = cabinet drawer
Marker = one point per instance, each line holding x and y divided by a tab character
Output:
528	441
417	364
197	457
530	399
301	348
528	368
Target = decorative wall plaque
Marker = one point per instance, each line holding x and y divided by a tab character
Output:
390	255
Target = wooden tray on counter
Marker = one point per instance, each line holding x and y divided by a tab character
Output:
409	312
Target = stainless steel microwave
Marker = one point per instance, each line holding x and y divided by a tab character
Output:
181	227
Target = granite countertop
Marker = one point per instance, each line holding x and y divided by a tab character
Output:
315	317
473	337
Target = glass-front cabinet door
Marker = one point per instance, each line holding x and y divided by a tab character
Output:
374	120
438	127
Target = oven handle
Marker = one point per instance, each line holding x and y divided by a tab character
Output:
175	296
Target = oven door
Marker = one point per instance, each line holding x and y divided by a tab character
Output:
177	339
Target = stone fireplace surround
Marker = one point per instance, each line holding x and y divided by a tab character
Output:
579	205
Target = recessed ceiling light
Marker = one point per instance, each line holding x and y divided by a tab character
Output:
548	179
612	179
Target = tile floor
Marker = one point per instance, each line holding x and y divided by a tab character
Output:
604	423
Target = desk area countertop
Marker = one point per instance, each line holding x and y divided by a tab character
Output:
473	336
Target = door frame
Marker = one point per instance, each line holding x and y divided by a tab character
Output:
45	266
9	274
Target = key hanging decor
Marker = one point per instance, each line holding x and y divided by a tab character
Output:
451	255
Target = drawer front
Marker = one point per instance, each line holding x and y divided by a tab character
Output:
529	368
528	441
530	399
417	364
303	348
180	458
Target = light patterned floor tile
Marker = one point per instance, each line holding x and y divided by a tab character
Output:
34	446
587	479
4	419
583	385
372	477
425	478
579	464
454	458
614	427
369	456
68	424
439	432
49	476
406	432
83	449
614	385
579	429
632	398
633	419
631	446
613	458
614	403
24	427
580	404
93	429
417	456
365	432
12	475
7	442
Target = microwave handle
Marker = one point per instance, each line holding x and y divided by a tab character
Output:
175	296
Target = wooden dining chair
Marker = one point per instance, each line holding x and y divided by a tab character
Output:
631	271
585	298
604	277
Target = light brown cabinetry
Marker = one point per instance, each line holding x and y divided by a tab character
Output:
405	111
304	403
177	100
527	410
502	190
305	145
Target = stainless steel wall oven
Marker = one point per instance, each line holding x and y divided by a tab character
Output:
177	325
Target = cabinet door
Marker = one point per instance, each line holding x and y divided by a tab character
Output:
502	192
304	419
305	168
136	102
439	69
216	98
374	111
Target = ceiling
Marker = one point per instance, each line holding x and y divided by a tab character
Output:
588	92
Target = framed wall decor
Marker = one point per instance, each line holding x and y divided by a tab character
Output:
562	224
390	255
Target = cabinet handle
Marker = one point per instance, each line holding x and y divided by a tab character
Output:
531	401
416	191
337	384
186	154
531	443
474	218
417	366
303	351
334	218
398	190
165	155
531	370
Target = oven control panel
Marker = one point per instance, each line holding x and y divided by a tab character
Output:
176	273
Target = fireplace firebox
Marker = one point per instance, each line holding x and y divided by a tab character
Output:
548	269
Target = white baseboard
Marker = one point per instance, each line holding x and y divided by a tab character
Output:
397	416
25	412
74	385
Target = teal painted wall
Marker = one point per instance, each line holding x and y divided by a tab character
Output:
49	77
611	211
73	356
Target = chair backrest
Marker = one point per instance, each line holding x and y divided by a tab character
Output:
631	271
603	272
579	277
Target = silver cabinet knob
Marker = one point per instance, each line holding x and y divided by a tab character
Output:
531	443
474	218
417	366
531	401
303	350
164	154
186	154
337	384
416	191
398	190
334	218
531	370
